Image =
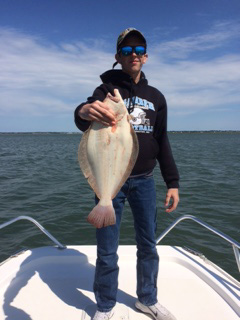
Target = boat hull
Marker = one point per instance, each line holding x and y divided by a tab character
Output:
49	283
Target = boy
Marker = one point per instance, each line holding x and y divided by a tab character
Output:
149	112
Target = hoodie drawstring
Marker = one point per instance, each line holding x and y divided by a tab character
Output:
132	103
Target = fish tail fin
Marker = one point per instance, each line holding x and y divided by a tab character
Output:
102	216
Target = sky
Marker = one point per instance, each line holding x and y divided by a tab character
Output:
53	52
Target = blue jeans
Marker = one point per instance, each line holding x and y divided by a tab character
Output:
141	195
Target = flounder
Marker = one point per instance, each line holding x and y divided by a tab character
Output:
107	155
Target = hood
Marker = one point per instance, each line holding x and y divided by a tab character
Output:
123	80
118	77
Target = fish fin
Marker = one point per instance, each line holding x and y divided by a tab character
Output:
131	163
84	163
130	117
102	216
82	155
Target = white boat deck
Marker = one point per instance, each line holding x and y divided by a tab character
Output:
48	283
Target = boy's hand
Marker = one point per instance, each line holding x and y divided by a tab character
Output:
172	194
98	111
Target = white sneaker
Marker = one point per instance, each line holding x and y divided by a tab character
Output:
103	315
157	311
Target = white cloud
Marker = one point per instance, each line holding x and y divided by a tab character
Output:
36	74
192	85
218	36
39	78
193	82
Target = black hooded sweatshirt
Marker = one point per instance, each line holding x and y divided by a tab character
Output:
148	108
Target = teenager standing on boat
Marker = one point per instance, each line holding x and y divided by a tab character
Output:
149	119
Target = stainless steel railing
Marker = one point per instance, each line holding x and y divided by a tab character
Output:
48	234
234	243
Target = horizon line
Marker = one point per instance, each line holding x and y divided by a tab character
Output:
80	132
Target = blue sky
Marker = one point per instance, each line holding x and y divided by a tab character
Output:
53	51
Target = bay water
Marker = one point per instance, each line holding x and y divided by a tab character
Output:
40	177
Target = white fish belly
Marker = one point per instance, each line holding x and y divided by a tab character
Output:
109	154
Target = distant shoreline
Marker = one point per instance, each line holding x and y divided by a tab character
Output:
171	131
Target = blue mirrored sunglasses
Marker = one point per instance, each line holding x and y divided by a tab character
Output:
128	50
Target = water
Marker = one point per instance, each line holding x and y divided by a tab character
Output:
40	177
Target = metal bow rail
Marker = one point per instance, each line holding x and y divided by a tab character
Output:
234	243
48	234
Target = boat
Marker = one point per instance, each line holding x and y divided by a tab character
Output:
55	282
